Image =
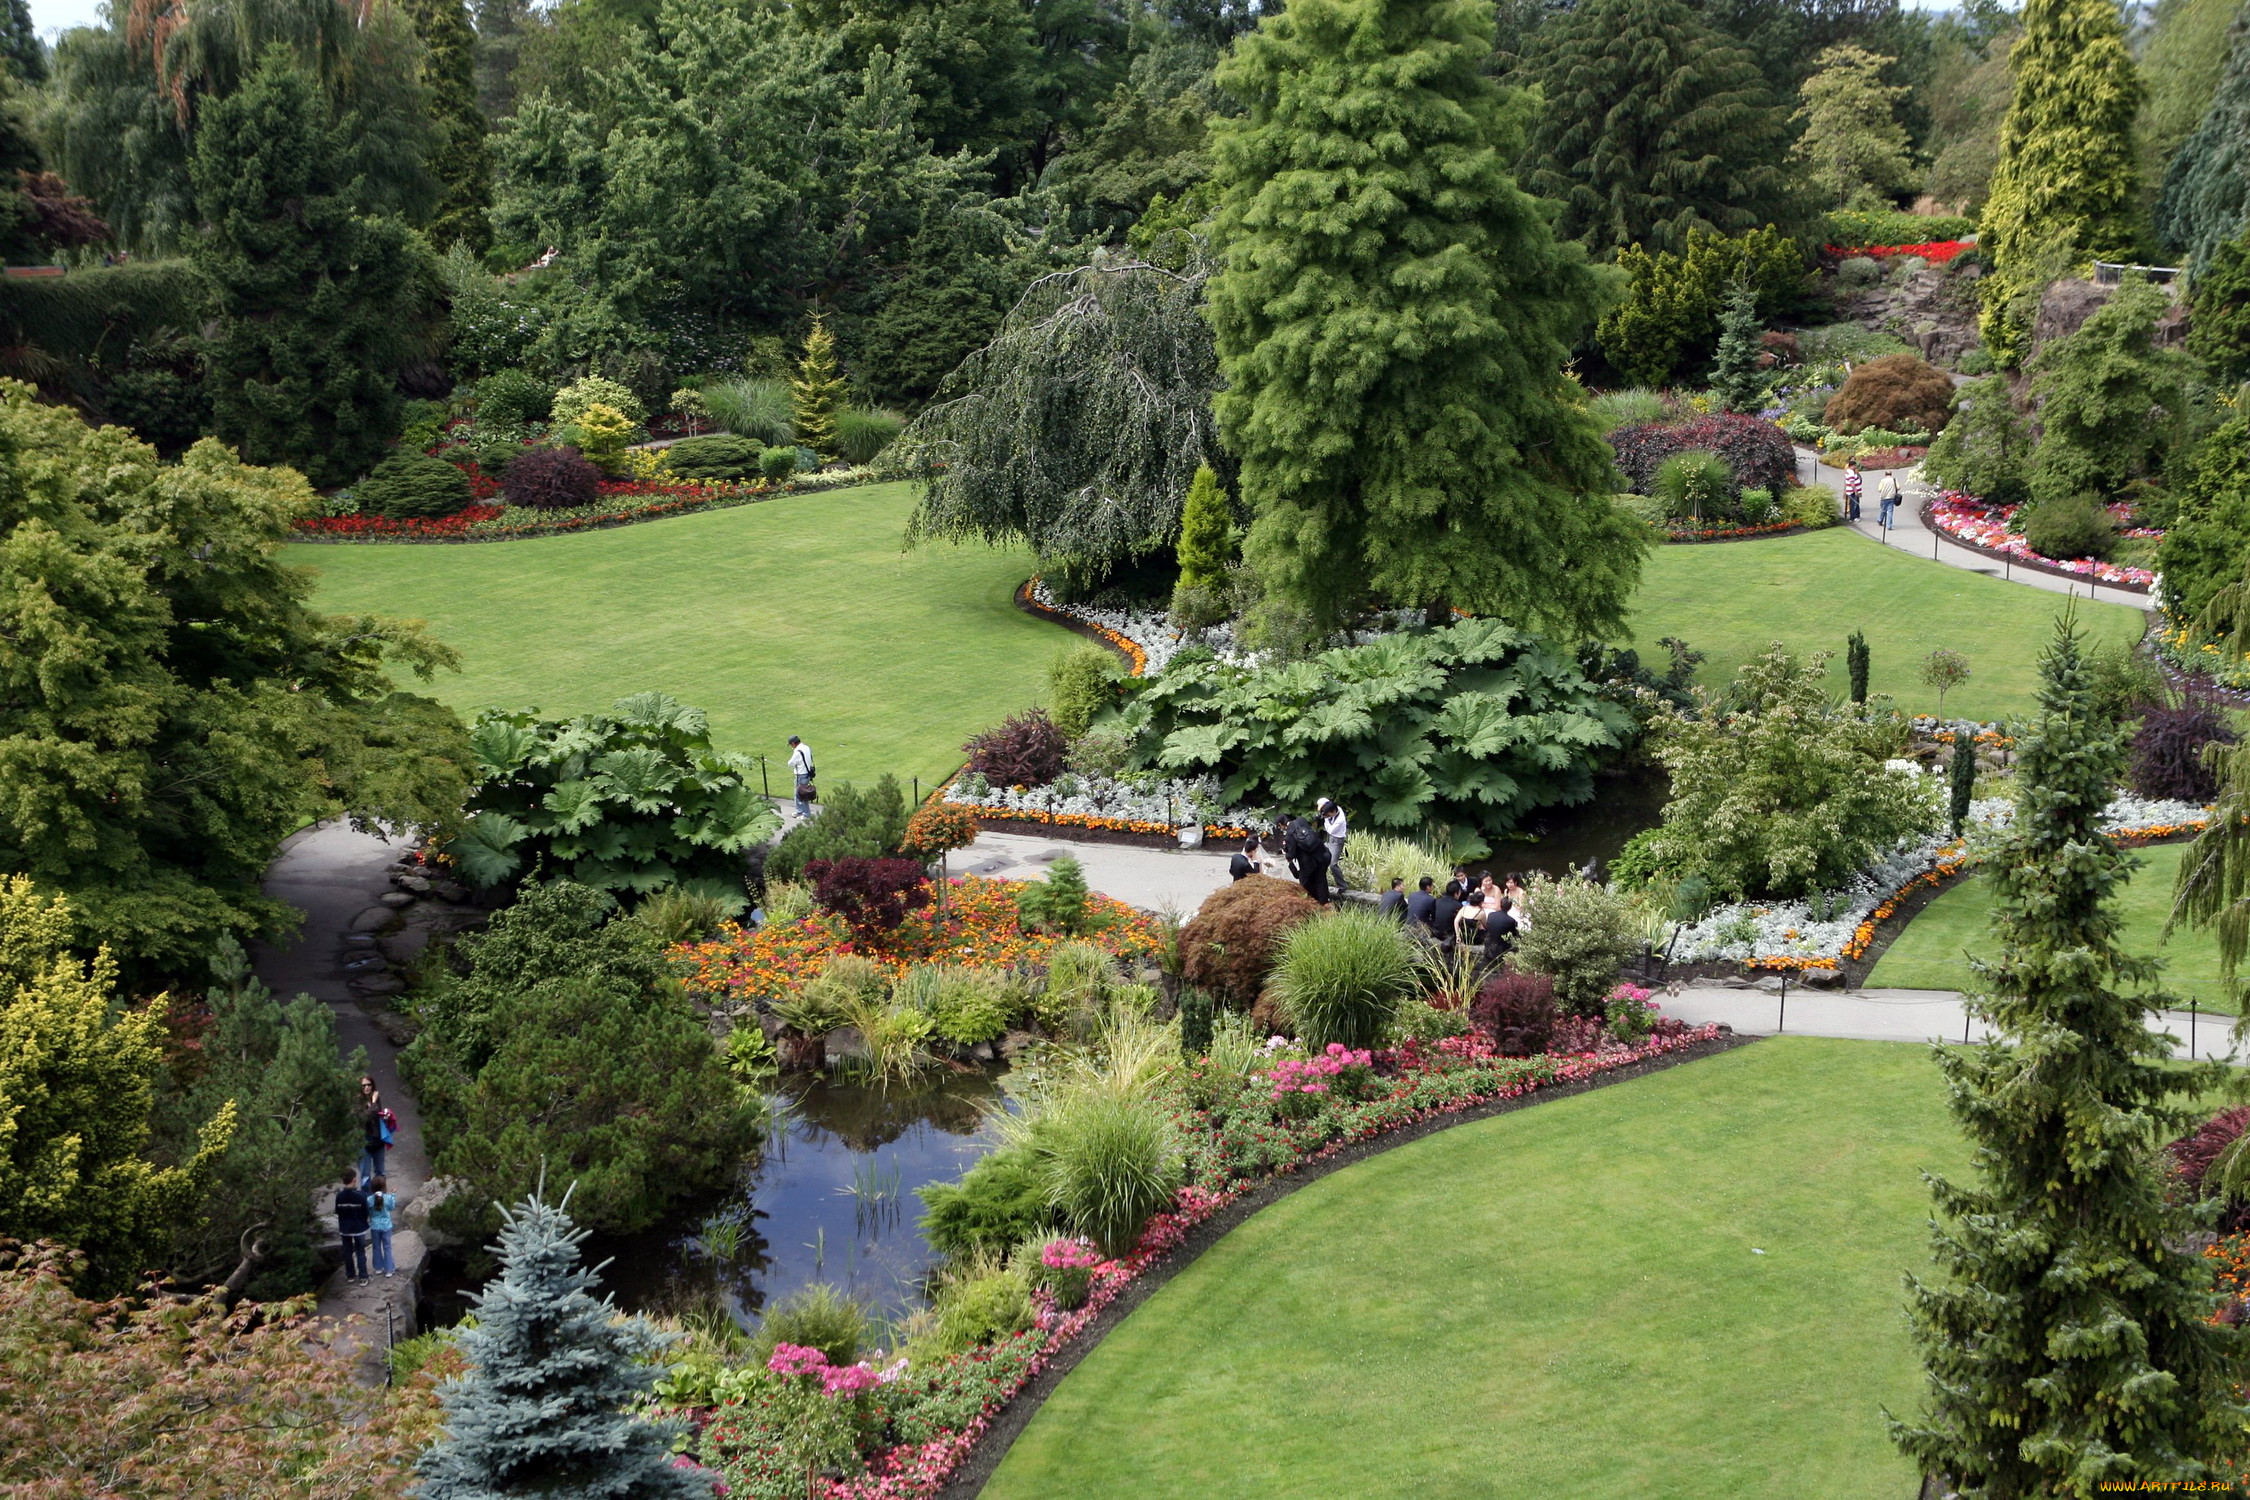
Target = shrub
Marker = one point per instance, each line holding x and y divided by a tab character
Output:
1420	1021
777	464
977	1310
1615	409
2168	751
1107	1162
1654	514
862	435
601	434
1896	391
573	401
688	405
550	479
974	1005
1855	273
1027	750
680	915
937	828
1580	935
1517	1011
1081	682
851	823
421	424
1847	344
1342	975
999	1202
1199	606
718	456
757	409
2209	542
513	398
1985	447
1859	228
1195	1022
1058	903
1811	506
1693	485
816	1317
2193	1153
2073	526
1757	507
873	896
1756	452
1231	943
413	484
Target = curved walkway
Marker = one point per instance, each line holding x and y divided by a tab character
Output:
1908	534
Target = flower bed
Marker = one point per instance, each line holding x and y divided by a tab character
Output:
1103	804
977	929
2191	655
621	503
1936	252
927	1420
1903	457
1985	527
1729	533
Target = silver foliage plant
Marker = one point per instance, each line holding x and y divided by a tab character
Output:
1077	429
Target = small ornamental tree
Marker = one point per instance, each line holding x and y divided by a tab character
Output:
2168	758
1944	670
873	896
1057	904
1853	147
554	1373
1206	546
937	829
2068	1343
1232	940
1736	376
1856	659
817	391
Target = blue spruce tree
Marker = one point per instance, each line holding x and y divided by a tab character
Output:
544	1409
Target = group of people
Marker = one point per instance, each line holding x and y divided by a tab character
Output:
1480	913
1886	493
1311	851
365	1203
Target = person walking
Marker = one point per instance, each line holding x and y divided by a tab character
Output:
1888	492
1852	486
801	768
1332	823
375	1131
351	1227
381	1204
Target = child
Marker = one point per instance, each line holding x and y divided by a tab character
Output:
380	1204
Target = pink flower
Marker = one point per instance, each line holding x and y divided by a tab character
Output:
796	1359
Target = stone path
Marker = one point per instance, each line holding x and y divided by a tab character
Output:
1149	878
1909	535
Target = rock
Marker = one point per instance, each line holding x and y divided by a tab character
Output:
449	890
1825	979
1770	983
983	1052
1737	982
374	919
358	939
418	884
396	899
1015	1041
379	984
397	1027
414	1213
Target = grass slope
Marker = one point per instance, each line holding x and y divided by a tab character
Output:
1732	600
1931	954
797	616
1558	1302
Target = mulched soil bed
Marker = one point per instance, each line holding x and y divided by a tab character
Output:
1009	1422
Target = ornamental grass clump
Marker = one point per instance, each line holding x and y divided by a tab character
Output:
818	1317
1107	1162
1342	975
755	409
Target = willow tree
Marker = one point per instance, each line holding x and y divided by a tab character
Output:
1079	428
1393	321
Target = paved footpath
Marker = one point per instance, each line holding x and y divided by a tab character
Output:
1894	1016
1909	535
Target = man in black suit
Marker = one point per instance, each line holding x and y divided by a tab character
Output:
1393	904
1421	907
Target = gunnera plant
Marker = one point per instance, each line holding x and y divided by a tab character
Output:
1342	976
550	479
408	485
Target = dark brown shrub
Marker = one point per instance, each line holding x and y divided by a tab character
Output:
550	479
2194	1153
1517	1011
1896	392
1228	946
1027	750
1271	1017
872	895
2168	751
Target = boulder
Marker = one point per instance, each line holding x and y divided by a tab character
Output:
1825	979
396	899
385	983
374	919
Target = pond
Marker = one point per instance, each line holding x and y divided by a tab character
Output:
831	1199
1556	840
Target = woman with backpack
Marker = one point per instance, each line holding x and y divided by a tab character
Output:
378	1128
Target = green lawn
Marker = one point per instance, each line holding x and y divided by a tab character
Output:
797	616
1732	600
1929	954
1565	1301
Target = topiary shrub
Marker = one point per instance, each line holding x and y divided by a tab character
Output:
1516	1012
2072	527
513	398
1757	453
719	456
1899	391
1230	945
2168	751
1027	750
776	463
550	479
413	484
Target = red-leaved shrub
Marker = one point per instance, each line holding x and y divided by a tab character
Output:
872	895
2168	751
1027	750
1517	1011
2194	1153
1228	946
1896	392
1756	452
549	479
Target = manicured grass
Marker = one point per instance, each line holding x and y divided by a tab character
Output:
1931	953
1561	1301
797	616
1732	600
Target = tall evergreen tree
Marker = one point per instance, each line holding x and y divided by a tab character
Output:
553	1370
1735	375
1853	146
316	301
19	43
1652	123
1206	544
1392	322
2206	198
459	157
2068	1342
2067	188
818	391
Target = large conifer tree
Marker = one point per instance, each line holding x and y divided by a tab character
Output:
1392	320
1654	123
459	157
2067	187
2067	1342
2206	199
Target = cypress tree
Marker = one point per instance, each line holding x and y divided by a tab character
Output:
1392	322
544	1408
1653	123
2067	1342
2206	197
1206	532
459	158
817	391
316	303
1855	665
1961	777
1736	376
2067	186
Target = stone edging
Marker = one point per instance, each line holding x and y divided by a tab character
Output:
1006	1425
1929	523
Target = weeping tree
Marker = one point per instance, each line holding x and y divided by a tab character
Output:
1079	428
